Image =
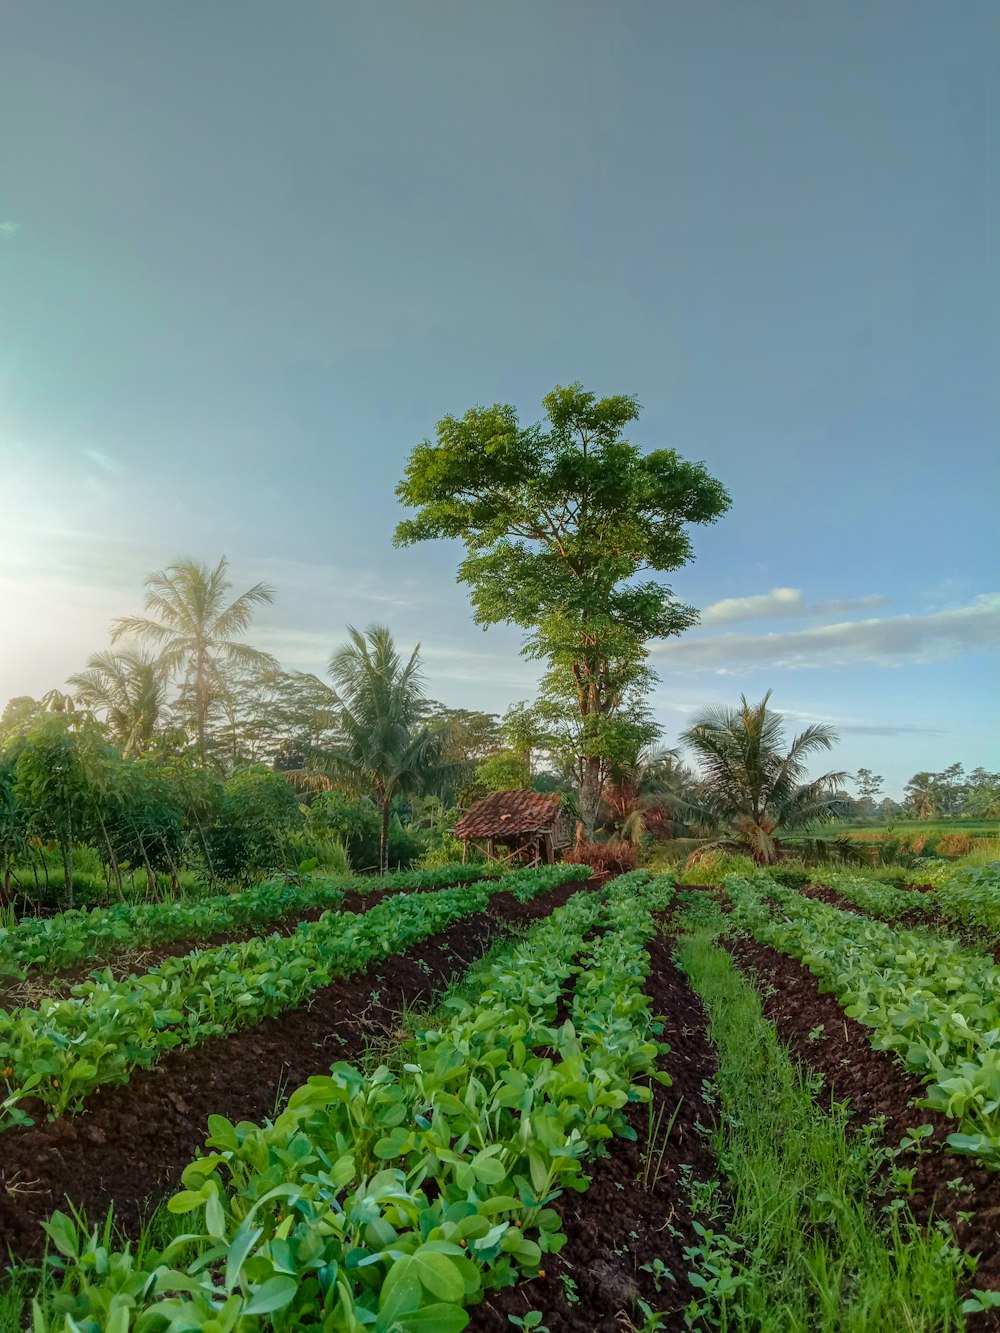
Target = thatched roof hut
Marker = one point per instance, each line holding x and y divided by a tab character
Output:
529	825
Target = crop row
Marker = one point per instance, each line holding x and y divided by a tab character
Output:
61	1051
392	1201
55	943
881	899
970	898
933	1003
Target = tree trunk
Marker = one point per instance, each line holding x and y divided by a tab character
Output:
590	793
383	843
68	865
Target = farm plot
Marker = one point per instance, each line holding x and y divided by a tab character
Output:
931	1001
49	945
544	1152
444	1167
58	1053
132	1140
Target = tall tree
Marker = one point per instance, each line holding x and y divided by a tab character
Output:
751	785
385	750
560	521
130	690
198	631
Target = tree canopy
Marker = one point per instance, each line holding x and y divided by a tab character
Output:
561	523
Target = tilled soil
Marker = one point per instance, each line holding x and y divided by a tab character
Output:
131	1143
945	1185
619	1225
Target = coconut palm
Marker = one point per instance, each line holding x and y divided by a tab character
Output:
750	784
130	690
385	750
197	631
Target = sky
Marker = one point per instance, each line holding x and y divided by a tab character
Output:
251	253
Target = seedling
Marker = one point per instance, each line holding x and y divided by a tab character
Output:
533	1319
660	1272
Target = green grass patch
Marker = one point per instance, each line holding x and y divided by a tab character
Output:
809	1246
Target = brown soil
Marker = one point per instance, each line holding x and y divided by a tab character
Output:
617	1225
875	1085
131	1143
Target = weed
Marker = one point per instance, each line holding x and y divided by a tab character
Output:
660	1272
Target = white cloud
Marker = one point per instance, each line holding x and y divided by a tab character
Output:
7	229
883	641
777	602
780	603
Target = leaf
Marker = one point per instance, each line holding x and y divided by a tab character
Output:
436	1319
243	1242
63	1235
275	1294
436	1273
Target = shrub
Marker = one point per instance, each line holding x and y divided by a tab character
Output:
954	844
606	858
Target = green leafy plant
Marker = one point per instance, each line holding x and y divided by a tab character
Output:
445	1172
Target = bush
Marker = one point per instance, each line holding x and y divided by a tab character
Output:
954	844
606	858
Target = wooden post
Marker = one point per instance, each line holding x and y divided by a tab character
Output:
465	850
491	849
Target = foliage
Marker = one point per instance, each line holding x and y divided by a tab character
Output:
385	750
60	765
198	632
53	944
925	997
750	784
60	1052
606	858
503	771
445	1172
560	522
816	1249
251	833
635	796
267	715
130	689
951	793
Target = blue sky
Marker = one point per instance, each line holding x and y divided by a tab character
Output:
250	253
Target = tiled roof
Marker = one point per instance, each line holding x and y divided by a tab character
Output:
505	814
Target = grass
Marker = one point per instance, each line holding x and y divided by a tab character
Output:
976	828
817	1250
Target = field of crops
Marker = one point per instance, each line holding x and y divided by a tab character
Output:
536	1101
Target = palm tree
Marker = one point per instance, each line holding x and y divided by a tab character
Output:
750	784
385	750
130	688
635	792
197	630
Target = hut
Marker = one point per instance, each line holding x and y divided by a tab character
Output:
528	825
